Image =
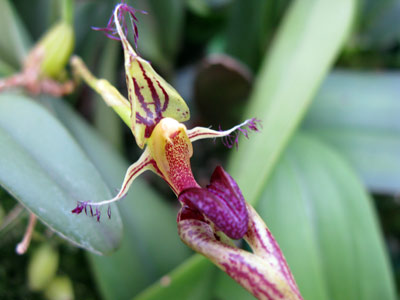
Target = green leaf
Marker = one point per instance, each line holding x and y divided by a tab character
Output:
44	168
248	43
149	42
191	280
325	223
377	19
6	69
374	155
150	247
357	100
358	113
14	42
227	288
305	47
169	15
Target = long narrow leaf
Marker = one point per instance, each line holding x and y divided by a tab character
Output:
14	42
44	168
358	113
324	221
326	225
305	47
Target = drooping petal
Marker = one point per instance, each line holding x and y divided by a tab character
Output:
221	202
108	92
144	163
230	140
150	96
260	275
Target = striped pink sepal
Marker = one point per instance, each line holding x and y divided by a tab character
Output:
264	273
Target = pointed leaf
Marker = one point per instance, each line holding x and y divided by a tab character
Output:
14	42
44	168
358	113
191	280
373	155
325	223
305	47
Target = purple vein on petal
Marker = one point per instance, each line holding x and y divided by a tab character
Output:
110	30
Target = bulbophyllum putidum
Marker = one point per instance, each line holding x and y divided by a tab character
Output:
209	217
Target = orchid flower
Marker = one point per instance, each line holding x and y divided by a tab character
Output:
211	216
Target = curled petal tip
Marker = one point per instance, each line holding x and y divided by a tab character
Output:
122	8
229	137
232	139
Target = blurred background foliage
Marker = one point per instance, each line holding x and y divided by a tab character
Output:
324	172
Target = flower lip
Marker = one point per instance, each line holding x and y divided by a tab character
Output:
221	202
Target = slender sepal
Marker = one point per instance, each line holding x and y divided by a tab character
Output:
144	163
150	96
230	136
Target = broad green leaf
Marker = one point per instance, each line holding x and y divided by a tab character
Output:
169	15
37	15
325	223
358	113
227	288
357	100
6	69
305	47
44	168
248	43
150	247
191	280
376	22
14	42
373	155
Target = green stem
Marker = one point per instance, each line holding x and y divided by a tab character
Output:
67	11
